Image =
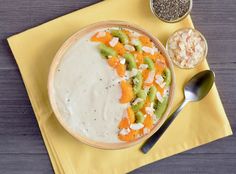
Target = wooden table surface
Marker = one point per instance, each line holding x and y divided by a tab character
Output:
21	146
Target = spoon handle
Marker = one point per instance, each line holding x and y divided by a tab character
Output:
156	136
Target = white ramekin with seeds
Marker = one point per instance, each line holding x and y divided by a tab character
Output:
187	48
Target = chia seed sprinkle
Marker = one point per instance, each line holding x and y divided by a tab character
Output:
171	10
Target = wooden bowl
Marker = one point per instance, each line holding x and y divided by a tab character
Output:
70	42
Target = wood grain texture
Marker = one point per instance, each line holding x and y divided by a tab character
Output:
21	147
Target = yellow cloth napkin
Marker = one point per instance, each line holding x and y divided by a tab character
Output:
34	49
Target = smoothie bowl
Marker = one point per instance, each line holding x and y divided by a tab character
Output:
111	85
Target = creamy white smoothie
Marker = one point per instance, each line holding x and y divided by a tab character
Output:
87	92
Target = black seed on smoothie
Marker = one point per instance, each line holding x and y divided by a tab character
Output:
171	10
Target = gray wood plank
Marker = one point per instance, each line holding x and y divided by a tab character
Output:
22	144
21	147
25	164
184	164
195	163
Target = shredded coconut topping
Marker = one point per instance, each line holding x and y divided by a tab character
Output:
124	131
114	41
148	50
187	48
146	130
151	76
122	61
143	67
159	97
129	48
136	126
134	41
159	79
101	34
138	100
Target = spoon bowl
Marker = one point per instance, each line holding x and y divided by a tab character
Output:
199	86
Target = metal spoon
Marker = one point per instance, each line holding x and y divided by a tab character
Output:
196	89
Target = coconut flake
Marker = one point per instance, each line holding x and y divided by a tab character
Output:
173	45
122	61
148	50
149	110
134	34
134	72
159	97
134	41
146	130
130	74
101	34
143	67
181	45
159	79
163	85
151	77
126	77
136	126
114	41
138	100
154	118
129	48
155	49
124	131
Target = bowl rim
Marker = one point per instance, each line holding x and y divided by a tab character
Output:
59	55
201	35
173	21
